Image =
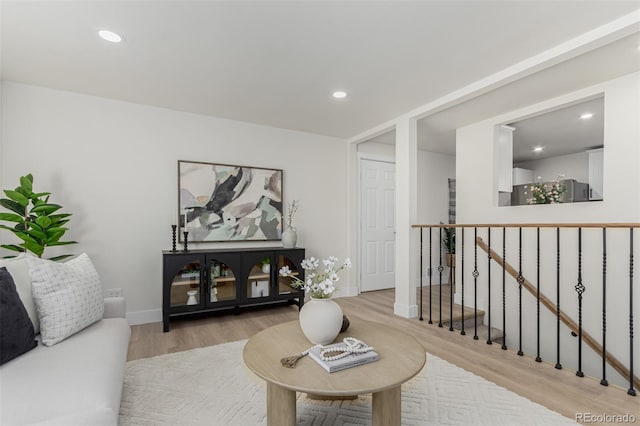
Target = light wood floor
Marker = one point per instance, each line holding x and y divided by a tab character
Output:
559	390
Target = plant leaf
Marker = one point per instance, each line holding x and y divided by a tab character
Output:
34	247
13	247
62	243
62	256
26	183
40	194
11	217
17	197
38	234
8	228
46	208
44	221
12	205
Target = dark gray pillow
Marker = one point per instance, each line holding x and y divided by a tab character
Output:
16	329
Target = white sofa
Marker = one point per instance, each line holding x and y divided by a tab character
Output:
77	381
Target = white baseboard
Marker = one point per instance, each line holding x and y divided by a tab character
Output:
144	317
406	311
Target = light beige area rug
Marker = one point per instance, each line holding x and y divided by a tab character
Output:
212	386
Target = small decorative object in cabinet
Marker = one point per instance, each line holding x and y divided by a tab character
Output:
228	279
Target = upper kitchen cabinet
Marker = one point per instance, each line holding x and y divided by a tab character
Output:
596	174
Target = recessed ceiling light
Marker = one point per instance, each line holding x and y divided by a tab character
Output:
586	116
110	36
339	94
538	149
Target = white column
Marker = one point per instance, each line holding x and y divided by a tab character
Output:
406	215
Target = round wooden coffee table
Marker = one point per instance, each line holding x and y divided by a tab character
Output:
401	358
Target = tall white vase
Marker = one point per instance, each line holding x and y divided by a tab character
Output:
321	320
289	237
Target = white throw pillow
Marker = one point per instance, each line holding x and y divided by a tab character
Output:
18	267
68	296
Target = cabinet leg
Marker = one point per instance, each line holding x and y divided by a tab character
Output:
165	325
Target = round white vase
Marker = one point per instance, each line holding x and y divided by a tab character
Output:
321	320
289	237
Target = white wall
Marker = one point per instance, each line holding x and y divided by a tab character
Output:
477	203
434	172
572	166
114	166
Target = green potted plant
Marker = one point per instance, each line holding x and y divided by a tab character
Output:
449	242
33	219
266	265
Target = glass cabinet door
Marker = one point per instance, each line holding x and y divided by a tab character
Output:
284	283
185	287
259	280
222	287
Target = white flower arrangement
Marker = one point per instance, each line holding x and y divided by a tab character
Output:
546	193
320	283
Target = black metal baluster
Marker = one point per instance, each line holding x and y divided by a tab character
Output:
451	280
520	282
440	269
462	283
430	272
489	342
558	365
475	283
538	359
604	381
421	271
579	289
504	297
631	390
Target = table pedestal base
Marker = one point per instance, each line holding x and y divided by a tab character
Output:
386	409
281	406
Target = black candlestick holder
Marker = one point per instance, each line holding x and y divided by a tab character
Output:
185	234
173	237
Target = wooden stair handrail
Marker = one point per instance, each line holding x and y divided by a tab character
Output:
530	225
612	360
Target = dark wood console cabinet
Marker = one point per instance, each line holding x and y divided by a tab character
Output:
200	281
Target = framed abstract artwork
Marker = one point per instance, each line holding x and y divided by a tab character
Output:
222	202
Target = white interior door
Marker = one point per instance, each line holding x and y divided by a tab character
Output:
377	224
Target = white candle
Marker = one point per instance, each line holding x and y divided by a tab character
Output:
185	221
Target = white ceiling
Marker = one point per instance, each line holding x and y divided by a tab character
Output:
276	63
559	132
437	132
